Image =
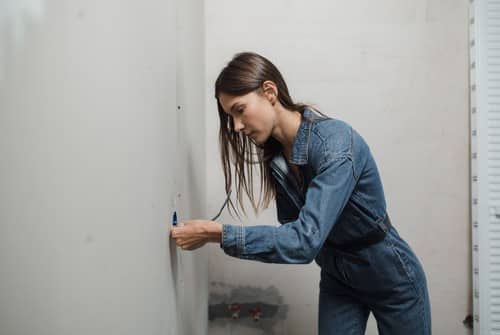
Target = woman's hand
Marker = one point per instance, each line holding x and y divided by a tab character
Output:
193	234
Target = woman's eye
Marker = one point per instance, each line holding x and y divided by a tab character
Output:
240	110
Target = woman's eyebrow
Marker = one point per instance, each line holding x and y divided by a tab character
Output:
234	106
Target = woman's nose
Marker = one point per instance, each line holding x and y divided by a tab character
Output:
238	125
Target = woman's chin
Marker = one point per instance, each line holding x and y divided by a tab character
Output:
258	141
255	140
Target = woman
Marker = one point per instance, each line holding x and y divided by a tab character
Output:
330	202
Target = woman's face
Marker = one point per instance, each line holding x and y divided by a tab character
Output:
252	113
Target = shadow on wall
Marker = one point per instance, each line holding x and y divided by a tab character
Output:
174	265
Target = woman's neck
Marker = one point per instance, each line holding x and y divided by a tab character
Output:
286	128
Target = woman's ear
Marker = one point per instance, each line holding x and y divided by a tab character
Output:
270	91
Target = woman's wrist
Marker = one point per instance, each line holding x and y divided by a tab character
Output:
214	232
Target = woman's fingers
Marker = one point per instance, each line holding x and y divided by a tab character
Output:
190	236
177	232
191	245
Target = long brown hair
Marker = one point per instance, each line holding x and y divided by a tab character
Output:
246	73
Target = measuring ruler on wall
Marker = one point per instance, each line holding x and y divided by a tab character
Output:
484	43
473	167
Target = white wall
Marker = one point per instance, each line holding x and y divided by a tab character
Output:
397	71
192	308
90	165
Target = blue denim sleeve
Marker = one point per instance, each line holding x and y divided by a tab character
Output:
299	241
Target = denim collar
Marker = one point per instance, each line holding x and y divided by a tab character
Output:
301	142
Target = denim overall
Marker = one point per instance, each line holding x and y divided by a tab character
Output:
338	219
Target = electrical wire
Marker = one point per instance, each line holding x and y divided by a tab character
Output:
222	208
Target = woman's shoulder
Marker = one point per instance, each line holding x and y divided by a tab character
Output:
331	126
325	126
329	139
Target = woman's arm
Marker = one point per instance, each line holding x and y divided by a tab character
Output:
298	241
193	234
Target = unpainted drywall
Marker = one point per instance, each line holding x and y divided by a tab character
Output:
92	159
